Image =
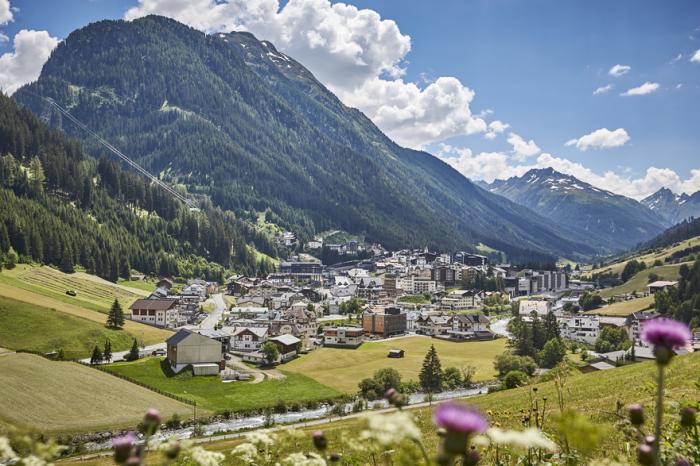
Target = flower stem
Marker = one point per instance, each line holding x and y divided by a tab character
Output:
659	415
423	452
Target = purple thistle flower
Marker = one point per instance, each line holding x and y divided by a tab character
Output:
122	447
459	418
666	333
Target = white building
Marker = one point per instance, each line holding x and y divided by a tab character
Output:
350	337
158	312
583	328
462	299
528	306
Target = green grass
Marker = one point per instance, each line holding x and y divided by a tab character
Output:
649	258
212	394
414	299
640	281
30	327
624	308
65	397
144	285
594	395
93	292
343	369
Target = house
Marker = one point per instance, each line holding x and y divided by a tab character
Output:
190	348
528	306
433	324
302	271
161	312
469	327
660	285
224	336
287	345
582	328
636	321
461	299
384	321
396	353
343	337
369	288
248	339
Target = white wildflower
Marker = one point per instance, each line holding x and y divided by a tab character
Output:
261	438
206	458
246	451
6	451
293	433
390	429
528	438
300	459
32	460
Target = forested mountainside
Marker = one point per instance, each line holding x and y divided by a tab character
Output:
611	221
62	207
685	230
232	118
674	207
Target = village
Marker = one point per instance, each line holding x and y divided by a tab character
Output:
304	305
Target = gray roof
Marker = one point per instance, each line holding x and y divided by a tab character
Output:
178	337
286	339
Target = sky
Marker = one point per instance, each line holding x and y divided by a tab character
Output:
606	91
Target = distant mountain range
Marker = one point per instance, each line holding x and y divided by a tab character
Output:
232	119
612	222
674	208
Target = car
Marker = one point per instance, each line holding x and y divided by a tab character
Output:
72	293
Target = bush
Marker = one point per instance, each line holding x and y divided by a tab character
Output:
508	362
514	379
552	353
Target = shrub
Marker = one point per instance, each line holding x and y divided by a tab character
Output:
514	379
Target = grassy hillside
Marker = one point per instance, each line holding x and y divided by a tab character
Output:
30	327
212	394
647	256
343	369
55	397
624	308
595	395
92	292
640	281
144	333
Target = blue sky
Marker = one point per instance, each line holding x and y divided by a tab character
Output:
532	65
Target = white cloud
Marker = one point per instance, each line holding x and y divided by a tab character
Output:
646	88
489	166
603	89
696	57
601	138
5	12
495	128
522	149
619	70
32	49
354	52
3	38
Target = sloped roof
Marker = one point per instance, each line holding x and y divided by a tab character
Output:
286	339
178	337
154	304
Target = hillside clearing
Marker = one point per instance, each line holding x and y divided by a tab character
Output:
212	394
343	369
640	281
29	327
92	292
144	333
55	397
624	308
649	257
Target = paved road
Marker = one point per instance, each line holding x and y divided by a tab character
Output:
214	316
119	355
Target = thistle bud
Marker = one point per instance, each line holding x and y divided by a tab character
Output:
688	416
636	414
645	455
394	397
122	447
133	461
334	457
472	458
682	462
151	421
320	441
649	440
173	450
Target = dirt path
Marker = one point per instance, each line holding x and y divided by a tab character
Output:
258	374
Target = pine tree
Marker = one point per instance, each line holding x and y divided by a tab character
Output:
538	336
134	352
107	353
96	357
115	316
431	373
551	327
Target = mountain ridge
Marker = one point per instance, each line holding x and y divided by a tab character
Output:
187	105
673	207
612	221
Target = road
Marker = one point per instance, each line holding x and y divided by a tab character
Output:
214	317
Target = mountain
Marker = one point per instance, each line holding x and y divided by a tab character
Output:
60	206
685	230
231	118
673	208
612	222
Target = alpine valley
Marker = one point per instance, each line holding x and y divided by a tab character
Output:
232	119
